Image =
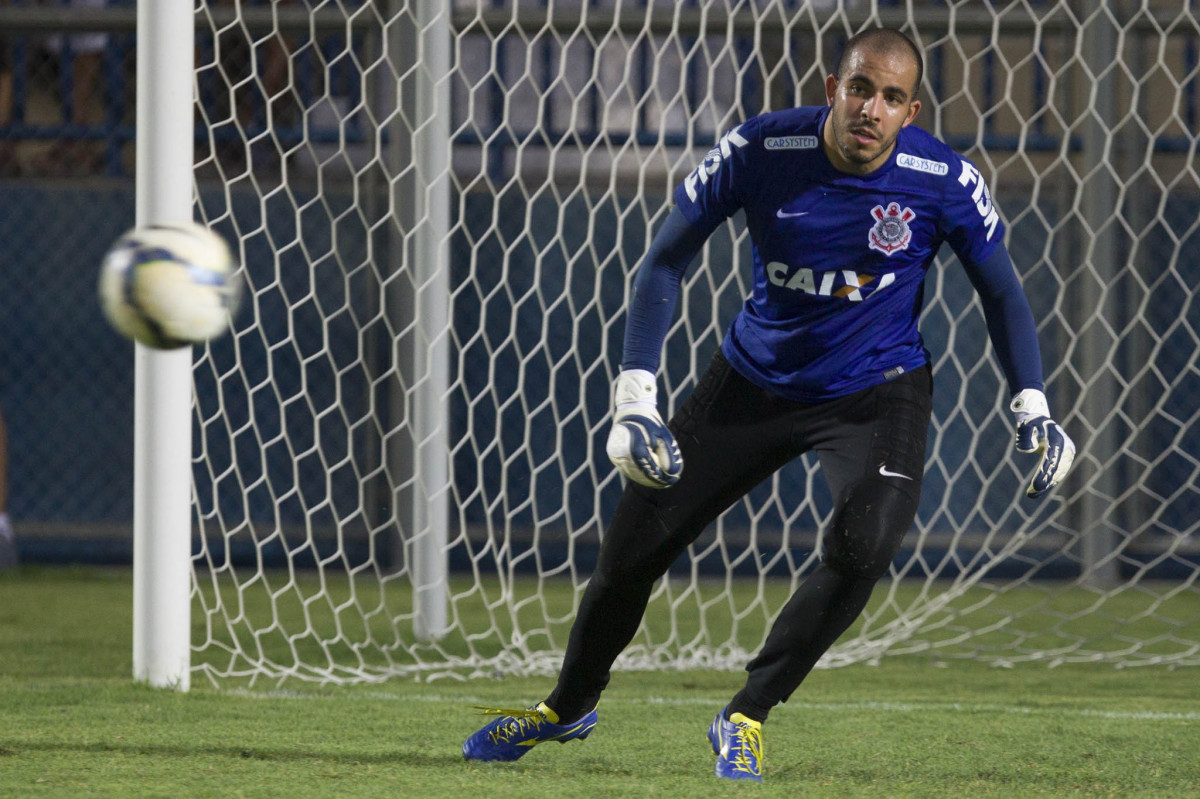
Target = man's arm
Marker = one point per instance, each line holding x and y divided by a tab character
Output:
1009	321
1014	336
656	290
639	444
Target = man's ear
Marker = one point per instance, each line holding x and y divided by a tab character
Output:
913	109
831	84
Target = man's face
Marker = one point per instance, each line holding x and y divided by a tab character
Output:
869	105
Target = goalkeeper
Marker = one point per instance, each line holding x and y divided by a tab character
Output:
847	205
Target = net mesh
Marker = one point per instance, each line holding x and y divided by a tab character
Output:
399	465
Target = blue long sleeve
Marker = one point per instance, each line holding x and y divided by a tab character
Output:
656	290
1009	320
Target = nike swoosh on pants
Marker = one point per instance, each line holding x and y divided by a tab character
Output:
884	471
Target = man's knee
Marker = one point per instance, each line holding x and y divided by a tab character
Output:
638	546
868	528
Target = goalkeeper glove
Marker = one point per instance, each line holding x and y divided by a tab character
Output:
639	444
1037	432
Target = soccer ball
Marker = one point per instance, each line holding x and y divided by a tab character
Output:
169	285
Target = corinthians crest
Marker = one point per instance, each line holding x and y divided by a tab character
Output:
890	232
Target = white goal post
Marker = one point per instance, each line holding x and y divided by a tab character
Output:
398	465
162	379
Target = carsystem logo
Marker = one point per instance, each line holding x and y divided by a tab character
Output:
922	164
790	142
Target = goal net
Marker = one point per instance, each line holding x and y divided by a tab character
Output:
399	463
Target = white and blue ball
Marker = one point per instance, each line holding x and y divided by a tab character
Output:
170	285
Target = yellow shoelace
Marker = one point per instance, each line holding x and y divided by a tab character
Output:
522	719
746	749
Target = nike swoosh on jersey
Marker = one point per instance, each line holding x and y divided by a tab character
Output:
782	214
883	469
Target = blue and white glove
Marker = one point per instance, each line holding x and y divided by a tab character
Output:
1037	432
639	444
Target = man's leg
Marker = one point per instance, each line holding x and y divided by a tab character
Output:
726	421
873	458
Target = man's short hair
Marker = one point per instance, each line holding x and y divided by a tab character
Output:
882	40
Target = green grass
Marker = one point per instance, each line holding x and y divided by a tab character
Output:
72	723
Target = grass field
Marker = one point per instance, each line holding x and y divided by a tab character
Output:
72	723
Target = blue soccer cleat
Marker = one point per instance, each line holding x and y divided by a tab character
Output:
517	731
737	743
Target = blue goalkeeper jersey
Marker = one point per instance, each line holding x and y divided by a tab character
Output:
839	260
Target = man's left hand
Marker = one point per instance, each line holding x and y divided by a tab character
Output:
1037	432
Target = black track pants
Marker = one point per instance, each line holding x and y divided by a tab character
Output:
733	436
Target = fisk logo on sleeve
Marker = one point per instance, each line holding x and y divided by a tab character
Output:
981	196
712	161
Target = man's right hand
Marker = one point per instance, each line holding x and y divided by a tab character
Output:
639	443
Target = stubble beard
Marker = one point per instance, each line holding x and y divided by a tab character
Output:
851	152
